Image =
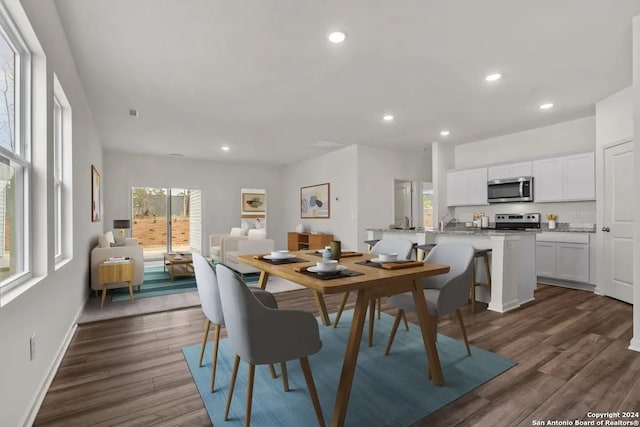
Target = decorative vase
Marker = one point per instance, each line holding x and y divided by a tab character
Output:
300	228
552	224
336	250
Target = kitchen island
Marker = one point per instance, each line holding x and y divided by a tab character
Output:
513	266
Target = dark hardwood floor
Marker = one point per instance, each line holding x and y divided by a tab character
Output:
571	348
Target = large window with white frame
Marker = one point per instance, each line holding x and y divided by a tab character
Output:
15	158
61	173
57	177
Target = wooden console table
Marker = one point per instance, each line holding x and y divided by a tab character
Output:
304	241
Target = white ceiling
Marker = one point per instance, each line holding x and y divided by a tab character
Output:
261	77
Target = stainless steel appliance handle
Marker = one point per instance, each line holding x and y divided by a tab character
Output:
521	188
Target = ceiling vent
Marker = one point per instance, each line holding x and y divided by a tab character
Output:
133	112
328	145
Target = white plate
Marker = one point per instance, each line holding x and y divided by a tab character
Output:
338	269
289	256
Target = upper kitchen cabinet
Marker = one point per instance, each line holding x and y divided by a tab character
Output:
510	170
567	178
467	187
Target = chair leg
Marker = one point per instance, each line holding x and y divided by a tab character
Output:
247	416
285	378
234	374
207	325
308	377
345	296
214	360
464	331
272	370
473	287
394	329
404	317
372	316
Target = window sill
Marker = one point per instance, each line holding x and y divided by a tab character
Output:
10	292
61	263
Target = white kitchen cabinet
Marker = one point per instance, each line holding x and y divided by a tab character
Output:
563	256
566	178
467	187
509	170
578	181
547	180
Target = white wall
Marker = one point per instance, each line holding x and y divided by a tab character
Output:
635	341
562	138
49	308
377	169
614	118
339	169
442	156
220	184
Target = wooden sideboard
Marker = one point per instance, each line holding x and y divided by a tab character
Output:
302	241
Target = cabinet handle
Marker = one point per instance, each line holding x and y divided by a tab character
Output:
607	229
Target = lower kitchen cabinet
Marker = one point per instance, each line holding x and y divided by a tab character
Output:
566	260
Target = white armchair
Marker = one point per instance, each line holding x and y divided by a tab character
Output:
104	250
215	243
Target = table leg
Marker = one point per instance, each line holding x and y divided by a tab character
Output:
130	292
428	337
372	313
350	359
104	294
262	281
322	308
171	271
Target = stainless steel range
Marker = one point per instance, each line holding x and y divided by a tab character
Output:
517	221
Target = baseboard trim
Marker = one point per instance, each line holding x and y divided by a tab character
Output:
566	284
635	344
53	369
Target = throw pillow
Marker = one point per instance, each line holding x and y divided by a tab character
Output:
102	241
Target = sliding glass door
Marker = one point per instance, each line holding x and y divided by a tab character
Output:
166	220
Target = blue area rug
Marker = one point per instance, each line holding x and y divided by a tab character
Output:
387	390
157	282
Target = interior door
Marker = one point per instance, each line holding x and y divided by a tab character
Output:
617	229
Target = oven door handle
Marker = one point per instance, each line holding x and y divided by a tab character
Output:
521	188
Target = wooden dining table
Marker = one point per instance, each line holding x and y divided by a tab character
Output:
373	283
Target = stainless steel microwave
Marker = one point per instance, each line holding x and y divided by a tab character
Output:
510	190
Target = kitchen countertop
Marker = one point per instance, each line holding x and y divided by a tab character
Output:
563	227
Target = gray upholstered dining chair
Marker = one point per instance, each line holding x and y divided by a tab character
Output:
444	293
400	246
261	335
209	294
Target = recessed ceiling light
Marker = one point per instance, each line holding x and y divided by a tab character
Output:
493	77
225	148
388	117
444	133
546	106
337	36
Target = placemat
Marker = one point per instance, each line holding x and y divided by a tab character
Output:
336	275
392	265
281	261
342	254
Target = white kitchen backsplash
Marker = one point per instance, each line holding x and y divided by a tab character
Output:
567	212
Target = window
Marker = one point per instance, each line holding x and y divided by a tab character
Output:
15	165
57	177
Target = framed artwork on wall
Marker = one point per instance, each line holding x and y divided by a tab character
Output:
95	195
253	202
314	201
